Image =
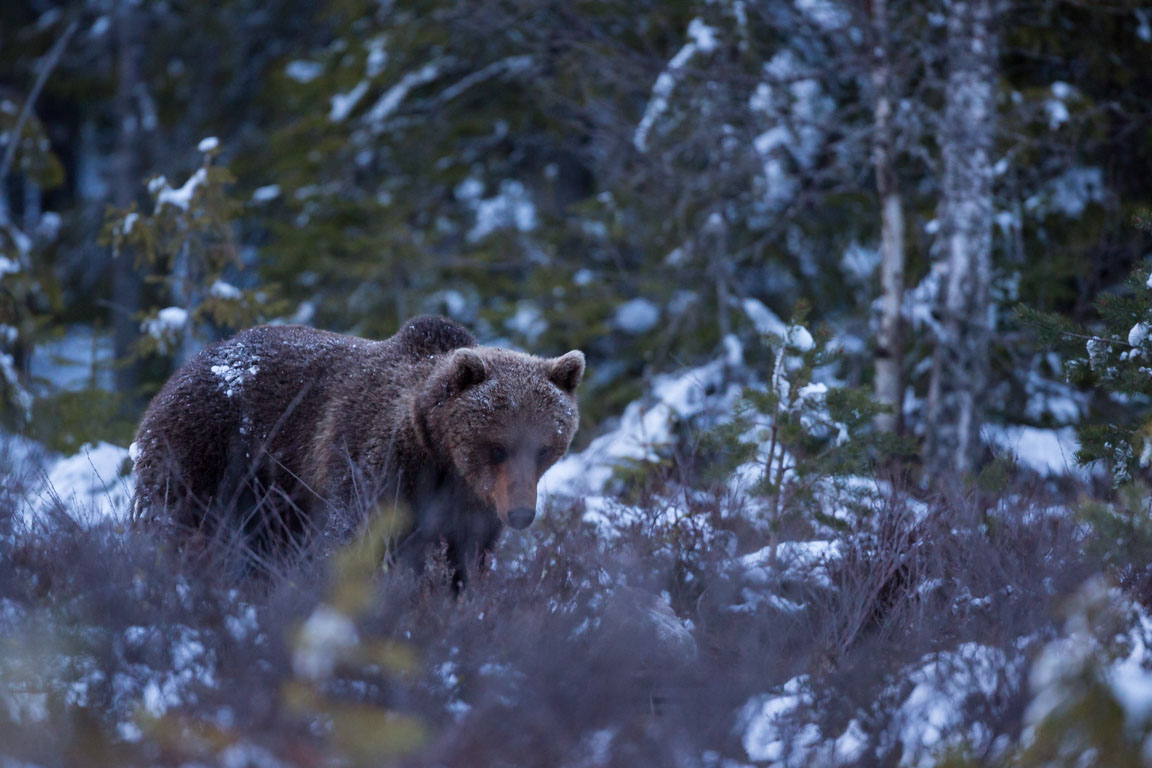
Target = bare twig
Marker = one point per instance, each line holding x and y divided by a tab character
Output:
47	64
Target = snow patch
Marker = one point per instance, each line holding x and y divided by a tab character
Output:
1138	334
167	325
1049	452
182	197
344	103
8	266
77	360
223	290
701	39
528	321
766	322
510	208
324	639
636	316
774	730
932	717
644	429
266	193
303	71
89	485
233	366
1070	192
395	95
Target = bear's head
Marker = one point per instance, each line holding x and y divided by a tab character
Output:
500	419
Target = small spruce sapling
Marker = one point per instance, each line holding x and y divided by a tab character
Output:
794	432
188	240
1113	357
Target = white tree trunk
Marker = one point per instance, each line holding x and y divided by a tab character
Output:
955	408
890	333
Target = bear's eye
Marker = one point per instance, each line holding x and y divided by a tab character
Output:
542	456
497	454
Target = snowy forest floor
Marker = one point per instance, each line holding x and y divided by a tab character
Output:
971	627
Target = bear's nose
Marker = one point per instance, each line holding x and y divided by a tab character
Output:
521	517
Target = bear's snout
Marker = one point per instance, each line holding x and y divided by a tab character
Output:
521	517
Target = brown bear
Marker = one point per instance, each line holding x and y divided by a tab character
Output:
267	434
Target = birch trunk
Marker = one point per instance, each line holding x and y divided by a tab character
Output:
890	333
955	408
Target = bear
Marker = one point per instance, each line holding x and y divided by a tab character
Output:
274	433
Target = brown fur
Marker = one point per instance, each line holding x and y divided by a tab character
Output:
297	423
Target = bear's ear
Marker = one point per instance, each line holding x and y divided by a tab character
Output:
566	371
465	369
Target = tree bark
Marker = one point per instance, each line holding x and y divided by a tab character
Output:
955	408
126	278
890	332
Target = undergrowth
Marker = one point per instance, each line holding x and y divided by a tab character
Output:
654	645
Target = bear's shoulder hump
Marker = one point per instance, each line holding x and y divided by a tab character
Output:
432	335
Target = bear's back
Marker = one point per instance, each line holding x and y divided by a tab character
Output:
276	406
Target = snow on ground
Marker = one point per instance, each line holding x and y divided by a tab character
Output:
91	485
932	719
1049	452
645	428
776	727
17	451
773	731
1091	649
94	485
767	574
792	560
77	360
